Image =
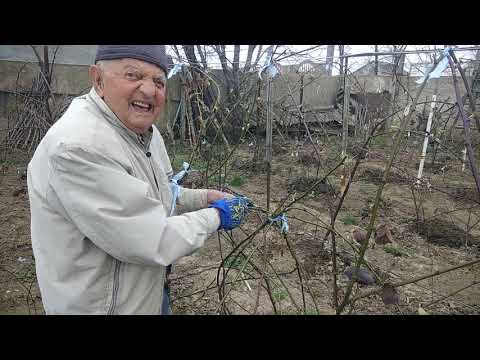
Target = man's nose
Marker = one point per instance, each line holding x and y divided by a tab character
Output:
148	88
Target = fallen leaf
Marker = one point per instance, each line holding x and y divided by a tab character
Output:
362	276
390	295
359	235
383	235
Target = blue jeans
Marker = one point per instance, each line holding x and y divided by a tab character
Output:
166	308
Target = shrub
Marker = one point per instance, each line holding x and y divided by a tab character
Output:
350	220
237	181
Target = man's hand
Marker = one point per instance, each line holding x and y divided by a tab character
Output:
214	195
232	211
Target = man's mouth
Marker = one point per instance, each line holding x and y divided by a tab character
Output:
141	106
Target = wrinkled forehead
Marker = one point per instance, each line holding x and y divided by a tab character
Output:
145	67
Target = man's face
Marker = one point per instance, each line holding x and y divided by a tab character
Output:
133	89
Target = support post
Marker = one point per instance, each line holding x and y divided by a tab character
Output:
268	140
425	140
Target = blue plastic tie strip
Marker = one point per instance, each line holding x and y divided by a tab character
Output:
282	222
175	70
439	68
177	189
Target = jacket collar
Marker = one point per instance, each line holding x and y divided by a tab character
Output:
113	119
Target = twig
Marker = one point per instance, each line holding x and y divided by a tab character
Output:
396	146
451	294
259	288
334	271
414	280
301	273
466	125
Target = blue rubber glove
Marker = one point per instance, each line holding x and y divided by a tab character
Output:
232	211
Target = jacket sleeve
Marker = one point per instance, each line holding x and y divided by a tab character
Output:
191	200
113	210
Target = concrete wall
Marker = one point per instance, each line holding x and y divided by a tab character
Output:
319	90
67	80
443	86
66	54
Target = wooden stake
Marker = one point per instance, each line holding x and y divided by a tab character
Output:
464	158
425	140
268	141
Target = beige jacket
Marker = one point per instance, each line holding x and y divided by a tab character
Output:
100	225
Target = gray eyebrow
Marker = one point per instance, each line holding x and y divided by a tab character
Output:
130	66
161	76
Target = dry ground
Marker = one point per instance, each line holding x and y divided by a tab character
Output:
444	248
193	280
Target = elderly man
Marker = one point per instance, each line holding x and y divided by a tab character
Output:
100	197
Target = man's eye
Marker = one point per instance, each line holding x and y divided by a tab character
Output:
159	83
132	76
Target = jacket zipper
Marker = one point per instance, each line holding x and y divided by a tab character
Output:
148	154
153	172
116	275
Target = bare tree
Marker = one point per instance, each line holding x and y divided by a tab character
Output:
259	54
203	56
235	67
248	62
46	72
38	109
399	59
329	59
341	53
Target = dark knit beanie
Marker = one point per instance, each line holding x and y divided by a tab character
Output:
154	54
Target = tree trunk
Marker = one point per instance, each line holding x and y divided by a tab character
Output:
203	57
189	51
197	80
329	59
399	60
45	77
220	49
235	67
401	64
341	53
231	89
259	53
248	62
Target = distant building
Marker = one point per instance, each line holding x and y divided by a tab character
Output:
470	67
384	68
304	68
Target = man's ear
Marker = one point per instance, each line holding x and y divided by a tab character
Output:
97	80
